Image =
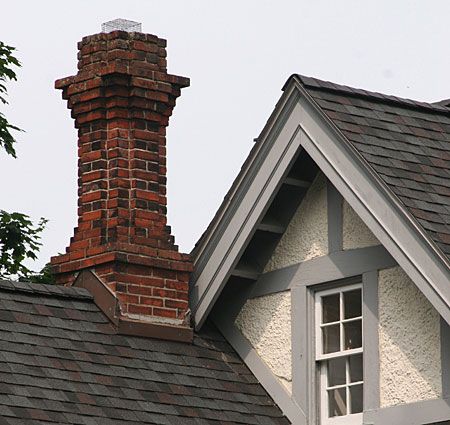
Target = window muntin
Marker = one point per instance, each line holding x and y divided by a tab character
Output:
339	354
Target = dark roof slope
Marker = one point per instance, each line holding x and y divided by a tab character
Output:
406	142
62	362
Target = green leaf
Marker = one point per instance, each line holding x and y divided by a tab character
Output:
20	240
7	63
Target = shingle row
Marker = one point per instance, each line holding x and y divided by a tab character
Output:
62	362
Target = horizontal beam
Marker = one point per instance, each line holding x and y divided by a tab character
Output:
335	266
419	413
271	228
292	181
245	273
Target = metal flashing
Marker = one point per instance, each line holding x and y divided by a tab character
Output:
104	298
155	330
108	303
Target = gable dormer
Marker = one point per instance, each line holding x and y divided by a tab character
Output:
326	270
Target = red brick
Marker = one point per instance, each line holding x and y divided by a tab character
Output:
121	100
163	312
96	250
146	47
75	246
95	175
94	215
167	274
184	296
76	255
93	196
157	302
149	196
164	293
176	284
139	309
128	298
175	304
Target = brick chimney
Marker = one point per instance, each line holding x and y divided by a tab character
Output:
121	100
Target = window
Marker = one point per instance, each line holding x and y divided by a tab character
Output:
339	354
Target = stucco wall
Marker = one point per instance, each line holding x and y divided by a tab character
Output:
355	232
266	323
409	332
306	236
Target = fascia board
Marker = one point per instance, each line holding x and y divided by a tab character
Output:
256	189
375	204
230	203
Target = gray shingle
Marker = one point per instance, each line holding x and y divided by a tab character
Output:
57	369
406	142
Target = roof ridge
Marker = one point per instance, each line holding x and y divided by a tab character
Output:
55	291
317	84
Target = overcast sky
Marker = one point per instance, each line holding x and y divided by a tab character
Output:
238	54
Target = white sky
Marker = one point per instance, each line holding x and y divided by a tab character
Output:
238	55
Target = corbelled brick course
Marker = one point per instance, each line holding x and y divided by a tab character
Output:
121	100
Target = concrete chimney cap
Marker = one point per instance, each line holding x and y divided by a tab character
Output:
122	25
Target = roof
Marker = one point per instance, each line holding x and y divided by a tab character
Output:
406	142
62	362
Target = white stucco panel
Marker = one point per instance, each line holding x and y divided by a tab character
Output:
409	332
306	236
355	232
266	323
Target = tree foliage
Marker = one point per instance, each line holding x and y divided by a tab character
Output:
19	241
7	63
19	237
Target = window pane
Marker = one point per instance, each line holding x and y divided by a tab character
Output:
337	402
330	308
356	398
352	304
331	339
353	334
356	368
336	371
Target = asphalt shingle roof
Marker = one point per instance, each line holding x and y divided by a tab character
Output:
62	362
406	142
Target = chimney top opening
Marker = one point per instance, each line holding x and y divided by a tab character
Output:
122	25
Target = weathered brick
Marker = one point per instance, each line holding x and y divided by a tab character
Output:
175	304
158	302
164	312
121	100
164	293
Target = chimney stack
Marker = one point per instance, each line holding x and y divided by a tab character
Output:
121	100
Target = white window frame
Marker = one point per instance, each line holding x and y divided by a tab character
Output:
349	419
